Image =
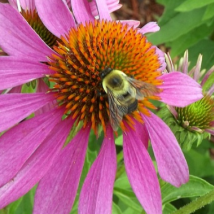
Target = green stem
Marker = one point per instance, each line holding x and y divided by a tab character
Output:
121	167
120	171
196	204
120	156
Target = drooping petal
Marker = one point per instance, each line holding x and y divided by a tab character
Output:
96	193
142	132
15	71
18	38
150	27
20	142
36	166
141	173
16	107
171	162
173	111
56	16
57	189
179	89
82	11
103	10
211	131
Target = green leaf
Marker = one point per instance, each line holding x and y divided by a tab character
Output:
119	140
181	24
169	11
206	48
13	207
209	12
122	182
27	88
193	4
168	209
116	209
196	162
195	187
128	198
185	41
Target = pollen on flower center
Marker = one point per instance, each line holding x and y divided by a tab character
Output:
84	53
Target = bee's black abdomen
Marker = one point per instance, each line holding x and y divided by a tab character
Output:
133	106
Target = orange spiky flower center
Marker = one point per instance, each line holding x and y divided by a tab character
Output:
84	53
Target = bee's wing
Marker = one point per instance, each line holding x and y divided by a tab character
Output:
116	109
141	89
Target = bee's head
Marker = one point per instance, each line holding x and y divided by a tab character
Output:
105	72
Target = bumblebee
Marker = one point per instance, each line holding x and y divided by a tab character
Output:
123	93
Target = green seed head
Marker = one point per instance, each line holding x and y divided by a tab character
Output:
197	116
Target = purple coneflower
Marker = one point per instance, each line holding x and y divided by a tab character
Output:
34	150
196	119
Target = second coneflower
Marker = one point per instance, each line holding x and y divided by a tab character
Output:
193	123
36	148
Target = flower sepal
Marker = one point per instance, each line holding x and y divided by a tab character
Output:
187	138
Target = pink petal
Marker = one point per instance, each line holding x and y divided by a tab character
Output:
13	3
36	166
131	23
185	63
173	111
142	132
20	142
150	27
211	131
161	58
56	16
16	89
179	89
42	87
207	75
68	3
16	107
82	11
25	4
96	193
198	68
141	173
18	38
57	190
211	91
112	6
103	10
171	162
15	71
